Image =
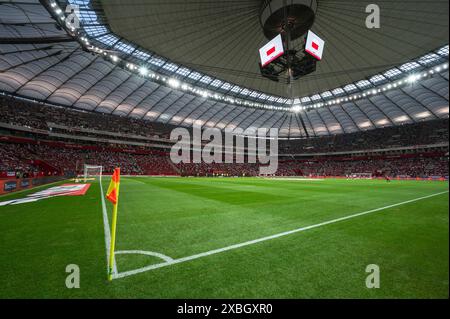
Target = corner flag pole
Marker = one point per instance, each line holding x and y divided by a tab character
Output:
114	224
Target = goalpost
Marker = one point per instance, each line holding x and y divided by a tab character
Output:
92	171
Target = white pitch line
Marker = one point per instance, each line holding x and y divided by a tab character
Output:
107	232
255	241
143	252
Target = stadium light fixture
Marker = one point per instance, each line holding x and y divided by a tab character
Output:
383	122
204	93
174	83
143	71
296	108
423	114
413	78
131	66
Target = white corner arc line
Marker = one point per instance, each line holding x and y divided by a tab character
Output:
107	232
144	252
255	241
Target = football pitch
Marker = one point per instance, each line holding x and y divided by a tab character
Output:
232	238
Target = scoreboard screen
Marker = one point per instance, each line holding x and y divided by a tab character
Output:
271	51
314	45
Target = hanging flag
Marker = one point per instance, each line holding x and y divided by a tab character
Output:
314	45
271	51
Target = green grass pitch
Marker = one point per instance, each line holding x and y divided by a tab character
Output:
180	217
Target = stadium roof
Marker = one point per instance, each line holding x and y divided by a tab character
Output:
43	61
222	38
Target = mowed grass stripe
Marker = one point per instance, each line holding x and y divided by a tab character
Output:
169	261
182	225
39	239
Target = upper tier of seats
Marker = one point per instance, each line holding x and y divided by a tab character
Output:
27	114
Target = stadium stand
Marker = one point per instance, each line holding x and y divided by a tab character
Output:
418	166
39	116
425	133
32	147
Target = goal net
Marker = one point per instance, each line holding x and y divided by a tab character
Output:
92	172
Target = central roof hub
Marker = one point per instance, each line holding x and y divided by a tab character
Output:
276	15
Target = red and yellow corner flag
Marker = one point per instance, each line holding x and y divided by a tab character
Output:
112	192
113	196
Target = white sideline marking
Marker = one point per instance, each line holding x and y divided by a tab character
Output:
107	232
255	241
143	252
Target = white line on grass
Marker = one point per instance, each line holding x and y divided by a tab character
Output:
255	241
107	232
143	252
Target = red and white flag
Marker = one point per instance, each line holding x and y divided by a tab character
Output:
271	51
314	45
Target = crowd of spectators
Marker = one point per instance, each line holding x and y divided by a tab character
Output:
420	166
32	158
219	169
156	164
34	115
17	112
401	166
16	160
425	133
70	161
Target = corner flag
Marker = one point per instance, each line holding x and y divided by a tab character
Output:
113	196
112	193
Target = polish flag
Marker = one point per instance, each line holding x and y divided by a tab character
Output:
314	45
271	51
